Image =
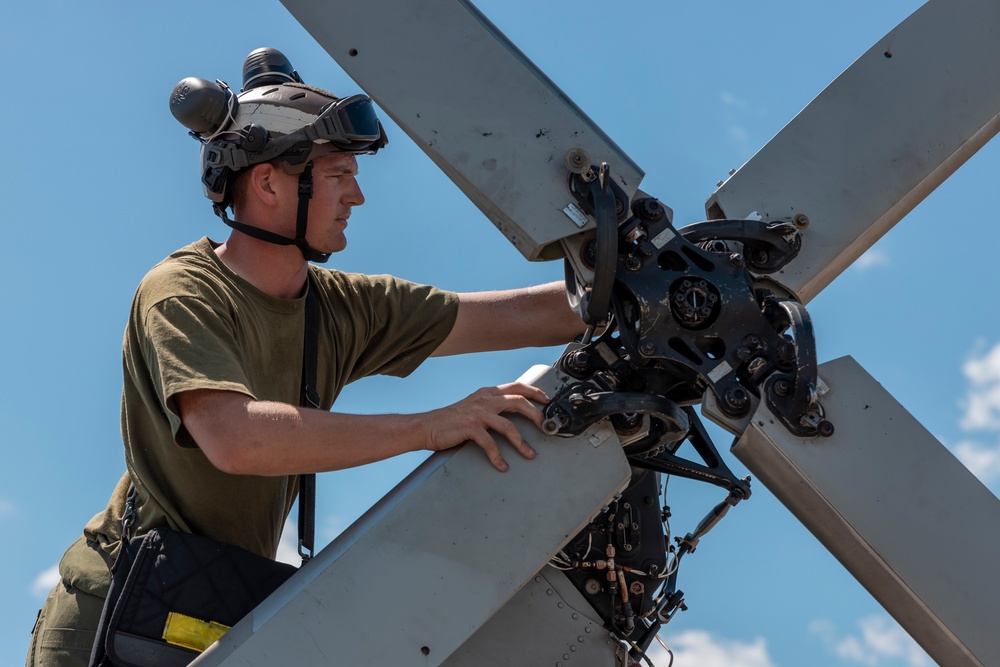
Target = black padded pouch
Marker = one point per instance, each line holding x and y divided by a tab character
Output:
174	593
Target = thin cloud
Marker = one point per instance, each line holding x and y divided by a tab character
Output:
698	647
730	100
6	507
872	258
45	582
879	641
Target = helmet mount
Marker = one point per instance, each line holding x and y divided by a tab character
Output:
275	117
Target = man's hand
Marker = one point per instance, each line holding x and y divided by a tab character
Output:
473	417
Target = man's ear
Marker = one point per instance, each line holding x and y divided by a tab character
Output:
265	183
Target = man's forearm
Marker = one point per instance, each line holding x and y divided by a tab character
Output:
510	319
267	438
243	436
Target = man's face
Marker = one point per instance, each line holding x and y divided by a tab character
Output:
335	193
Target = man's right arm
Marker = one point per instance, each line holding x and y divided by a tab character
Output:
243	436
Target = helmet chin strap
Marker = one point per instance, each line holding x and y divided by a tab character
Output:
301	220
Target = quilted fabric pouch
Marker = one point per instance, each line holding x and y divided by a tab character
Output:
173	594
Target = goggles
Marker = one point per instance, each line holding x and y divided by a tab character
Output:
349	124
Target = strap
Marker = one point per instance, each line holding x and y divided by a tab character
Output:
309	399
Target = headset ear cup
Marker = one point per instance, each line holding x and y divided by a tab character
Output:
255	138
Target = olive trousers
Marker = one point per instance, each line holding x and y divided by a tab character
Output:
66	627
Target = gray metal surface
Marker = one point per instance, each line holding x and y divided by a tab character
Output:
912	524
494	123
429	564
548	622
878	140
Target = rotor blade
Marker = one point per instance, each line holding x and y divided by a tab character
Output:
902	514
490	119
877	141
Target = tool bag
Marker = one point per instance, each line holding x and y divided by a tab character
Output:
173	594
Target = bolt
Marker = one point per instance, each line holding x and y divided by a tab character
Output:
636	588
751	341
576	160
578	362
647	348
743	353
801	220
760	257
736	260
825	428
633	263
577	399
628	547
737	400
782	387
648	209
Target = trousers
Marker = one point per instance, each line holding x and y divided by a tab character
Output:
66	627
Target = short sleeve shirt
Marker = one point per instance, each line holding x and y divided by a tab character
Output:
195	324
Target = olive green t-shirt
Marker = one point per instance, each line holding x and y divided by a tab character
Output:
195	324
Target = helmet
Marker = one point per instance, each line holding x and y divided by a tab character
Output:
275	117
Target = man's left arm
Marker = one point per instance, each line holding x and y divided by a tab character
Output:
510	319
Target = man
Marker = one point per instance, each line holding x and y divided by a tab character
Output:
212	354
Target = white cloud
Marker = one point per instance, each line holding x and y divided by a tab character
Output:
880	642
872	258
982	460
698	647
982	403
45	582
981	415
288	545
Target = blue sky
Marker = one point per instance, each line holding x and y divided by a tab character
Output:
100	183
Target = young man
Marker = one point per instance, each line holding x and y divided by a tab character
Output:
213	432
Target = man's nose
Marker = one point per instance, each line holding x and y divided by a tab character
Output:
354	196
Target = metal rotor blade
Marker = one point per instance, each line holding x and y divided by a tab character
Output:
490	119
878	140
896	508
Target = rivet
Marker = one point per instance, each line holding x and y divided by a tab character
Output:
565	656
579	639
537	579
560	605
587	629
572	648
575	616
548	592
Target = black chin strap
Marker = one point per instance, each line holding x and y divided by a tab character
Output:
301	220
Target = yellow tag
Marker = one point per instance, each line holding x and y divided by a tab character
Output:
192	633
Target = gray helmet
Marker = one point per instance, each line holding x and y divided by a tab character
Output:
275	117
